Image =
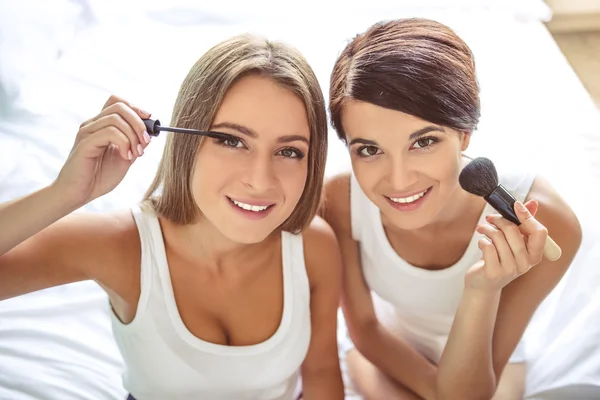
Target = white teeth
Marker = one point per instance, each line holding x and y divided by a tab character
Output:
249	207
410	199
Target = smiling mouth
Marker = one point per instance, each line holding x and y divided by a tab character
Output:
255	208
410	199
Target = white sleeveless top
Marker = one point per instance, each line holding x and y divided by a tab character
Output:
414	303
164	360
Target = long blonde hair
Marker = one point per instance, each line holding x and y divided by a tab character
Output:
199	98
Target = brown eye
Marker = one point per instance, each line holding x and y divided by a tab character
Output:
424	142
368	151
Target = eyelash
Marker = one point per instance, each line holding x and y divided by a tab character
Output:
432	141
299	155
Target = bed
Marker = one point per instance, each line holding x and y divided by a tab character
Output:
60	60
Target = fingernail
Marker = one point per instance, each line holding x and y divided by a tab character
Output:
145	113
146	137
140	149
129	155
521	207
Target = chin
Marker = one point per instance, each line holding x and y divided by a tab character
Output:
245	234
409	224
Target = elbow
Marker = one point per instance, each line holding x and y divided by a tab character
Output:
362	332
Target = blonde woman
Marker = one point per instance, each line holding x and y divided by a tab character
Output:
221	283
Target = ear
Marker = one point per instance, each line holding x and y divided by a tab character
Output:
465	140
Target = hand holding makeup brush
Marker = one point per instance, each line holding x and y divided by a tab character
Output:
104	149
508	250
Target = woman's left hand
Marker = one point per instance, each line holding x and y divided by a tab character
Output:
508	250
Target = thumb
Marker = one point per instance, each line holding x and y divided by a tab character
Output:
143	114
525	213
532	206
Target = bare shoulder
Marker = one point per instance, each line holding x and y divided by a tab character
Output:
336	204
321	252
556	215
107	239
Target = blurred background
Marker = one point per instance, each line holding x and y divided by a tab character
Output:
539	69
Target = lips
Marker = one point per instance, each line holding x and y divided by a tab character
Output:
409	203
253	209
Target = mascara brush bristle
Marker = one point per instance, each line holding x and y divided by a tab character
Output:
479	177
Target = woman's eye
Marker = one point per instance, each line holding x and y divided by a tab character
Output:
424	142
288	153
368	151
233	143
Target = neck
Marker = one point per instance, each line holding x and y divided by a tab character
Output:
203	244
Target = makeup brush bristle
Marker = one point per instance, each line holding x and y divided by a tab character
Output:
479	177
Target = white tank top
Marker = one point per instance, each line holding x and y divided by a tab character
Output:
164	360
414	303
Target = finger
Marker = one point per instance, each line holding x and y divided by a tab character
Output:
115	120
490	258
131	118
112	100
505	255
534	231
515	241
532	206
96	144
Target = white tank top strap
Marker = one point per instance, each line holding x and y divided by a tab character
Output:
362	211
148	227
295	275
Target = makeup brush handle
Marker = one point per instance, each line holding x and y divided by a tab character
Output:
552	251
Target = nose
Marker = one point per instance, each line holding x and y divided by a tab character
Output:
259	174
402	175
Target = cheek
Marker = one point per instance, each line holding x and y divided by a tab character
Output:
210	173
292	177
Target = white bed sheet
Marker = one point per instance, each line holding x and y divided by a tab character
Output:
534	110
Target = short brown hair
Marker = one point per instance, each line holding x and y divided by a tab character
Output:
201	95
416	66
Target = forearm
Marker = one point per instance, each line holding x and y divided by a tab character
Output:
22	218
397	359
322	384
466	368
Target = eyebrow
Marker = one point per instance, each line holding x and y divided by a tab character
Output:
412	136
249	132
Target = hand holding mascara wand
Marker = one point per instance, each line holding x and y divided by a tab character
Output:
154	128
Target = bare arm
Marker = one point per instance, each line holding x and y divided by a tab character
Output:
321	375
390	354
24	217
487	328
76	248
36	251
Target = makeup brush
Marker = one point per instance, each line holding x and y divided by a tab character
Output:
480	178
154	128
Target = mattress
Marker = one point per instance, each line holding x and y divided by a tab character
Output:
59	63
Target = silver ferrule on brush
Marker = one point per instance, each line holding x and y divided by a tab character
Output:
504	203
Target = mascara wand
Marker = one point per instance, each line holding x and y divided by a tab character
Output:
480	178
154	128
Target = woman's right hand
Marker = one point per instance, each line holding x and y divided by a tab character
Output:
104	149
